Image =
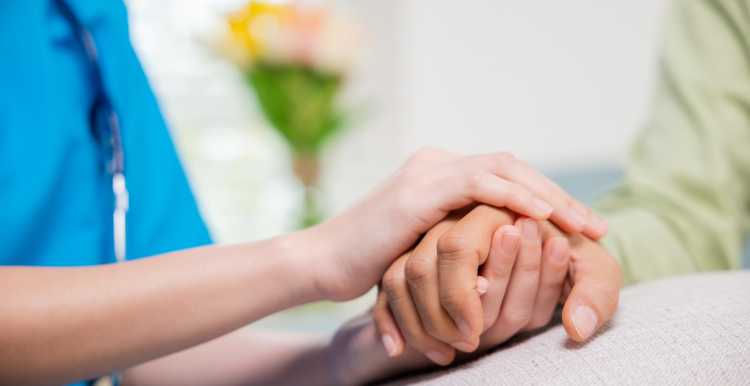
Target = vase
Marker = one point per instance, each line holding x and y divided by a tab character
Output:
306	166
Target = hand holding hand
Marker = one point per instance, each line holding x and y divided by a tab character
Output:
350	253
434	290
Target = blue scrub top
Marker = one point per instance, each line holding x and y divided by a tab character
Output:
56	199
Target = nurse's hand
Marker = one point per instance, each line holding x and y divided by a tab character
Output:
348	254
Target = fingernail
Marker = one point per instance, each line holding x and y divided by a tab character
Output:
438	357
584	321
482	285
530	230
390	345
577	216
558	252
542	206
463	346
464	327
508	243
598	223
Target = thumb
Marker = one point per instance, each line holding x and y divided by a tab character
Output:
597	278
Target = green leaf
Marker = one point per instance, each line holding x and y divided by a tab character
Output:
299	102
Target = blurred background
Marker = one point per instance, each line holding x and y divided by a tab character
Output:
564	86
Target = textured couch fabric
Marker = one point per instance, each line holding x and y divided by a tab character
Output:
688	330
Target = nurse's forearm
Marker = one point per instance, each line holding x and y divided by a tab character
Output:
60	325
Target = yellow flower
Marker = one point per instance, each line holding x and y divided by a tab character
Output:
291	34
260	30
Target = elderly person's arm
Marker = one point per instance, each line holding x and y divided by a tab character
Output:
684	205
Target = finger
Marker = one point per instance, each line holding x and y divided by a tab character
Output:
596	287
466	185
407	317
567	285
461	251
497	270
570	214
596	227
550	231
553	272
518	304
482	285
386	324
421	272
596	277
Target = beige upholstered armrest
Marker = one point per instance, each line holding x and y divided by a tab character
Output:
683	330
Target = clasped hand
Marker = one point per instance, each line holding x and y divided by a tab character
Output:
479	275
432	298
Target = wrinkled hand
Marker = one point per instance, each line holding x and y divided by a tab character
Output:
430	297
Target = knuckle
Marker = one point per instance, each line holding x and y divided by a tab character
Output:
397	294
515	319
475	179
393	283
529	264
419	267
505	160
453	243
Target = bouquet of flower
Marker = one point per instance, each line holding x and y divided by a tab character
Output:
295	57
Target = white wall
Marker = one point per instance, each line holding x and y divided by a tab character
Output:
561	84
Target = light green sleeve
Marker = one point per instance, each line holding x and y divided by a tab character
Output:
684	204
